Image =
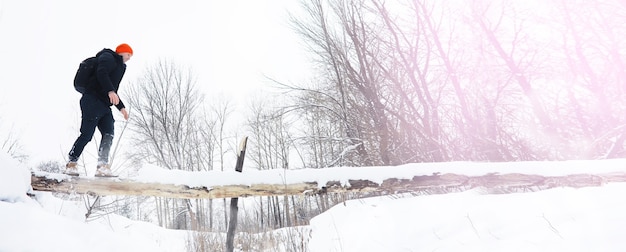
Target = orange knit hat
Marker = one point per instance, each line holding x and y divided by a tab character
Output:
124	48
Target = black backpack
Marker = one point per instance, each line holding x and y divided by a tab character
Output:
86	70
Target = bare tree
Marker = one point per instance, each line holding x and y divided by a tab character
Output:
592	50
413	81
169	132
352	78
165	106
269	148
11	145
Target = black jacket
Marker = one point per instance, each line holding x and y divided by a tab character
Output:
109	73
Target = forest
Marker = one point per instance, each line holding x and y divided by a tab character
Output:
396	82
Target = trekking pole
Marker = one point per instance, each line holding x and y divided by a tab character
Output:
119	139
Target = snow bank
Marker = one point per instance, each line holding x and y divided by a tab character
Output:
14	179
563	219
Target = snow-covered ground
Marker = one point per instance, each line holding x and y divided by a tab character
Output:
564	219
560	219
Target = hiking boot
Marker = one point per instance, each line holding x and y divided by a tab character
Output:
71	169
104	170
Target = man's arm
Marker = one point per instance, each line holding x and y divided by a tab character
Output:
106	64
124	113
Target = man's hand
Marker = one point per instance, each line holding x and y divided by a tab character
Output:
114	98
124	113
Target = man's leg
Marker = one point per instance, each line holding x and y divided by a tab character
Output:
87	128
88	123
106	127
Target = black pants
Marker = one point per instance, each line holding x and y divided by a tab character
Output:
95	114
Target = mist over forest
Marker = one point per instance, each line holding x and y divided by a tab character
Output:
395	82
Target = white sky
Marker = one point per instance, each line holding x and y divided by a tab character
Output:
560	219
229	45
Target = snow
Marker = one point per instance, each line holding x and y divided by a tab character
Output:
559	219
150	173
29	227
563	219
14	179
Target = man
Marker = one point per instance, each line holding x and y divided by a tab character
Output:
95	106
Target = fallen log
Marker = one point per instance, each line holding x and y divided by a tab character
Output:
423	184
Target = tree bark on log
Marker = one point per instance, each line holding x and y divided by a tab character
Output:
423	184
